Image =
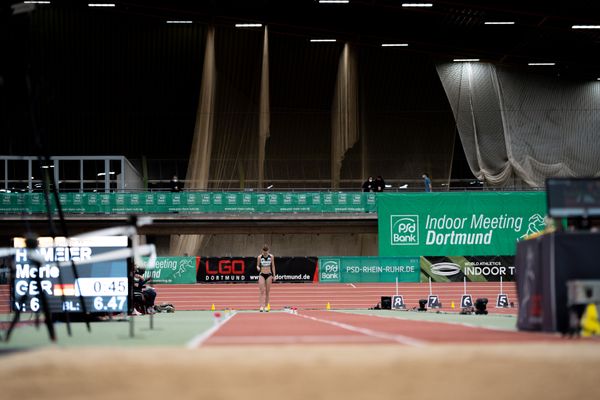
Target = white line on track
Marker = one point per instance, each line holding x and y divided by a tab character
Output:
465	324
369	332
204	336
318	339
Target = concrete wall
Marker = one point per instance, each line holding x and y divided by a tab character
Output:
282	245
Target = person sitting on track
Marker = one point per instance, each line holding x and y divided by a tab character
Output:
148	293
265	265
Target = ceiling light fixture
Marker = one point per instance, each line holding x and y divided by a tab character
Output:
394	45
36	2
466	60
585	27
417	4
499	23
322	40
101	4
334	1
533	64
179	22
248	25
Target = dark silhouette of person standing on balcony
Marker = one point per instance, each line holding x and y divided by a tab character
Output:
175	184
427	182
379	184
368	185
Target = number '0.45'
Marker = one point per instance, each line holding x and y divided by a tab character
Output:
112	287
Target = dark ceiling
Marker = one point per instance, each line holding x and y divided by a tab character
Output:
126	78
542	31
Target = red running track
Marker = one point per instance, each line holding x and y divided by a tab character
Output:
4	299
329	327
315	296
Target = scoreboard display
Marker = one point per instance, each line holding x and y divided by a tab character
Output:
104	286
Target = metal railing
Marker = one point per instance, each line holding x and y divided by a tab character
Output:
158	185
118	174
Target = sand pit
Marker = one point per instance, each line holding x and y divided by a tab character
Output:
544	371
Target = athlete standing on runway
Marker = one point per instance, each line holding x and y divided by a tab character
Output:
265	265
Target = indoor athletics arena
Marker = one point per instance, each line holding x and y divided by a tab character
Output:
327	199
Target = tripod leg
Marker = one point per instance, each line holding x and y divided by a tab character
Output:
47	316
16	318
131	329
13	323
45	306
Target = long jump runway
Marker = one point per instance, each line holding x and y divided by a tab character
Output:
331	327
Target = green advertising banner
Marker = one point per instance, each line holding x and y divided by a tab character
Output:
457	224
192	202
172	270
368	269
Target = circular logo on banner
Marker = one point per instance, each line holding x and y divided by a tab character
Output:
331	266
445	269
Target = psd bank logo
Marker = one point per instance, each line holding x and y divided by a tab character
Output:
330	271
332	266
404	230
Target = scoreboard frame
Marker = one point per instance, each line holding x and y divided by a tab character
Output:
69	275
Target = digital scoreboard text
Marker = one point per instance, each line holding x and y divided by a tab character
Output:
103	286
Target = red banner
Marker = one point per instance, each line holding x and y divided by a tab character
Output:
243	269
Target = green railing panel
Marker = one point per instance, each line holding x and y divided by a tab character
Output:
193	202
